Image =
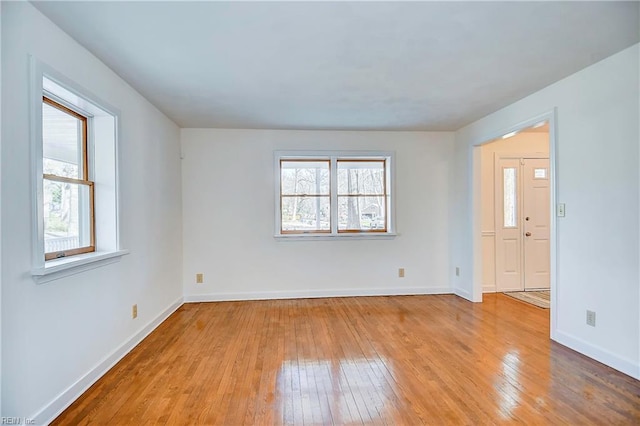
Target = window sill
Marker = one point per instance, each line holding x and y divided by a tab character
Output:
60	268
333	237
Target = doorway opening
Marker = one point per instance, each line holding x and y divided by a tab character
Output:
514	212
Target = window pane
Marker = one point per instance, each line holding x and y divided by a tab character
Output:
305	214
361	177
539	173
66	216
61	143
509	191
304	177
361	213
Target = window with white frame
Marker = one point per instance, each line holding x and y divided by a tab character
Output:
334	194
74	141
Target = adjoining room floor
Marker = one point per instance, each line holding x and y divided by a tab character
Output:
401	360
541	299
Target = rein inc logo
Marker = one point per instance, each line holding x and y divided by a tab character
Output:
16	421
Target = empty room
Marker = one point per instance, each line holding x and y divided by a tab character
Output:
264	213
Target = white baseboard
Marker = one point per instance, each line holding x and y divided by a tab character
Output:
489	289
313	294
623	365
463	293
52	410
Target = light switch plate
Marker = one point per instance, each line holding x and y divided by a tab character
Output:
560	209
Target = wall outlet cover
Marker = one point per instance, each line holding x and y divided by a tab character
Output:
561	209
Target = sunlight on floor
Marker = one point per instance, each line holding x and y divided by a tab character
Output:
326	391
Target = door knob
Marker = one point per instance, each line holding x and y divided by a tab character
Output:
528	234
526	218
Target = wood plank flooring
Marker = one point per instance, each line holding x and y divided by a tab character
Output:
403	360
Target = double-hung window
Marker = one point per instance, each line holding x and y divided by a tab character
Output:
305	196
334	194
75	177
68	192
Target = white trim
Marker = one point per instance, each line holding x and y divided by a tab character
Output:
303	154
59	268
552	117
1	202
333	200
333	157
70	94
60	403
464	294
553	235
35	116
333	237
488	233
314	294
475	166
604	356
499	155
489	289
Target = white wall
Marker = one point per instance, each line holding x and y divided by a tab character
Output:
57	333
59	336
228	210
522	143
1	212
597	177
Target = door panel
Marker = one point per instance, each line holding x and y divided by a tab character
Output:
535	209
511	256
507	225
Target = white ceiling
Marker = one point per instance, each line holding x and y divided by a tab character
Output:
344	65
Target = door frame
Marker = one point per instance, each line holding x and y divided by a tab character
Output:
476	203
514	155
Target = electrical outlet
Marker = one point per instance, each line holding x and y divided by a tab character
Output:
199	278
134	311
591	318
561	209
457	271
401	273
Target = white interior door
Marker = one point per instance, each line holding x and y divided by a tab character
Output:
508	225
535	210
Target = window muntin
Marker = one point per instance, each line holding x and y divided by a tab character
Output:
333	194
68	194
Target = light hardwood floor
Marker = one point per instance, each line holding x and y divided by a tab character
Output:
403	360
